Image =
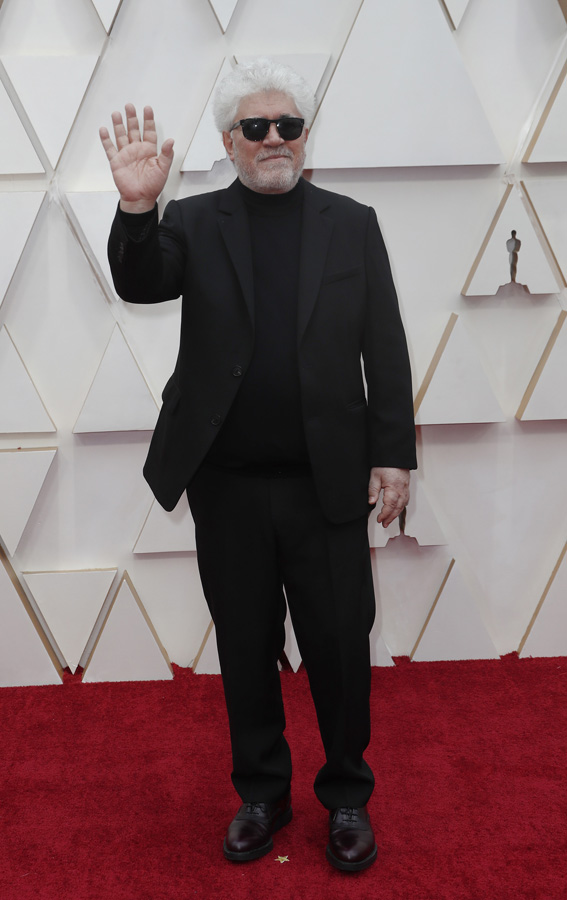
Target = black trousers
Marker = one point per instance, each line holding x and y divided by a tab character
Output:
256	536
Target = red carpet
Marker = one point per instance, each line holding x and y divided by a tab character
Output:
121	791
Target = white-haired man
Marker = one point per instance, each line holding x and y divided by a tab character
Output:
266	423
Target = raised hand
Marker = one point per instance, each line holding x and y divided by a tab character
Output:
138	170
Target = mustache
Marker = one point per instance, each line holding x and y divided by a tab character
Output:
271	154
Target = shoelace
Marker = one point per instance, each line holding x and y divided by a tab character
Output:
350	814
253	809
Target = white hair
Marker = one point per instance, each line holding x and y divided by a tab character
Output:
258	77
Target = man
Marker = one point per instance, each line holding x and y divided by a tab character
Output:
266	423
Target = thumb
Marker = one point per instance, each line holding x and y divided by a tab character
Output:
166	155
374	488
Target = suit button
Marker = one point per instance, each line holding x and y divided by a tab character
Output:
216	419
237	371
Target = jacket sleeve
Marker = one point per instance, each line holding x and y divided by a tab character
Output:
147	259
386	362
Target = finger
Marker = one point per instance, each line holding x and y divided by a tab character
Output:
374	488
166	156
150	132
120	135
132	124
106	142
391	507
388	514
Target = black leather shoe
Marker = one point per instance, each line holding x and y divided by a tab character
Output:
351	840
249	835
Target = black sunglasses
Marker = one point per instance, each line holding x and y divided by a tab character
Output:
289	128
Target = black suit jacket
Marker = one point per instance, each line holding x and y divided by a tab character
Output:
347	309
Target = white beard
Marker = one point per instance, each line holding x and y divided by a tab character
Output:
270	178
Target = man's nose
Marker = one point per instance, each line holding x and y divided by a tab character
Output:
273	137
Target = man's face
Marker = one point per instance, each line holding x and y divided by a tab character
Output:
270	166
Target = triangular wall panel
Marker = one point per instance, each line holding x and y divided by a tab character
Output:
414	95
223	10
21	407
22	473
119	398
17	156
18	212
456	10
454	627
206	146
25	658
491	268
93	212
421	521
70	603
546	394
167	532
456	388
549	143
406	578
107	11
40	79
127	648
549	197
547	632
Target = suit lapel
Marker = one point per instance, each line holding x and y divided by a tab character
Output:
233	223
315	237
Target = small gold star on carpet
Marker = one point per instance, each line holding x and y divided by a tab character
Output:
282	859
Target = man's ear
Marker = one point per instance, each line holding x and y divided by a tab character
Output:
228	143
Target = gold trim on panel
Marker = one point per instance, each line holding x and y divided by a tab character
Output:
33	384
448	15
202	647
549	105
68	571
434	362
486	241
431	611
221	26
26	449
149	622
542	600
340	56
541	364
548	249
126	579
10	571
111	26
116	327
207	102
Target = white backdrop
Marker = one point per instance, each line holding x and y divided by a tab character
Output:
444	117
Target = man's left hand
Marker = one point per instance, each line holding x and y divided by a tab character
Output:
395	484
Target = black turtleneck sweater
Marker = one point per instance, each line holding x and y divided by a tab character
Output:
264	425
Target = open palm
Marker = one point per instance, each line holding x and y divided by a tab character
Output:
139	172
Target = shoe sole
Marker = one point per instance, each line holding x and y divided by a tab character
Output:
249	855
352	866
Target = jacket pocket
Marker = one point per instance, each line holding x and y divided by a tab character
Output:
343	273
357	404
